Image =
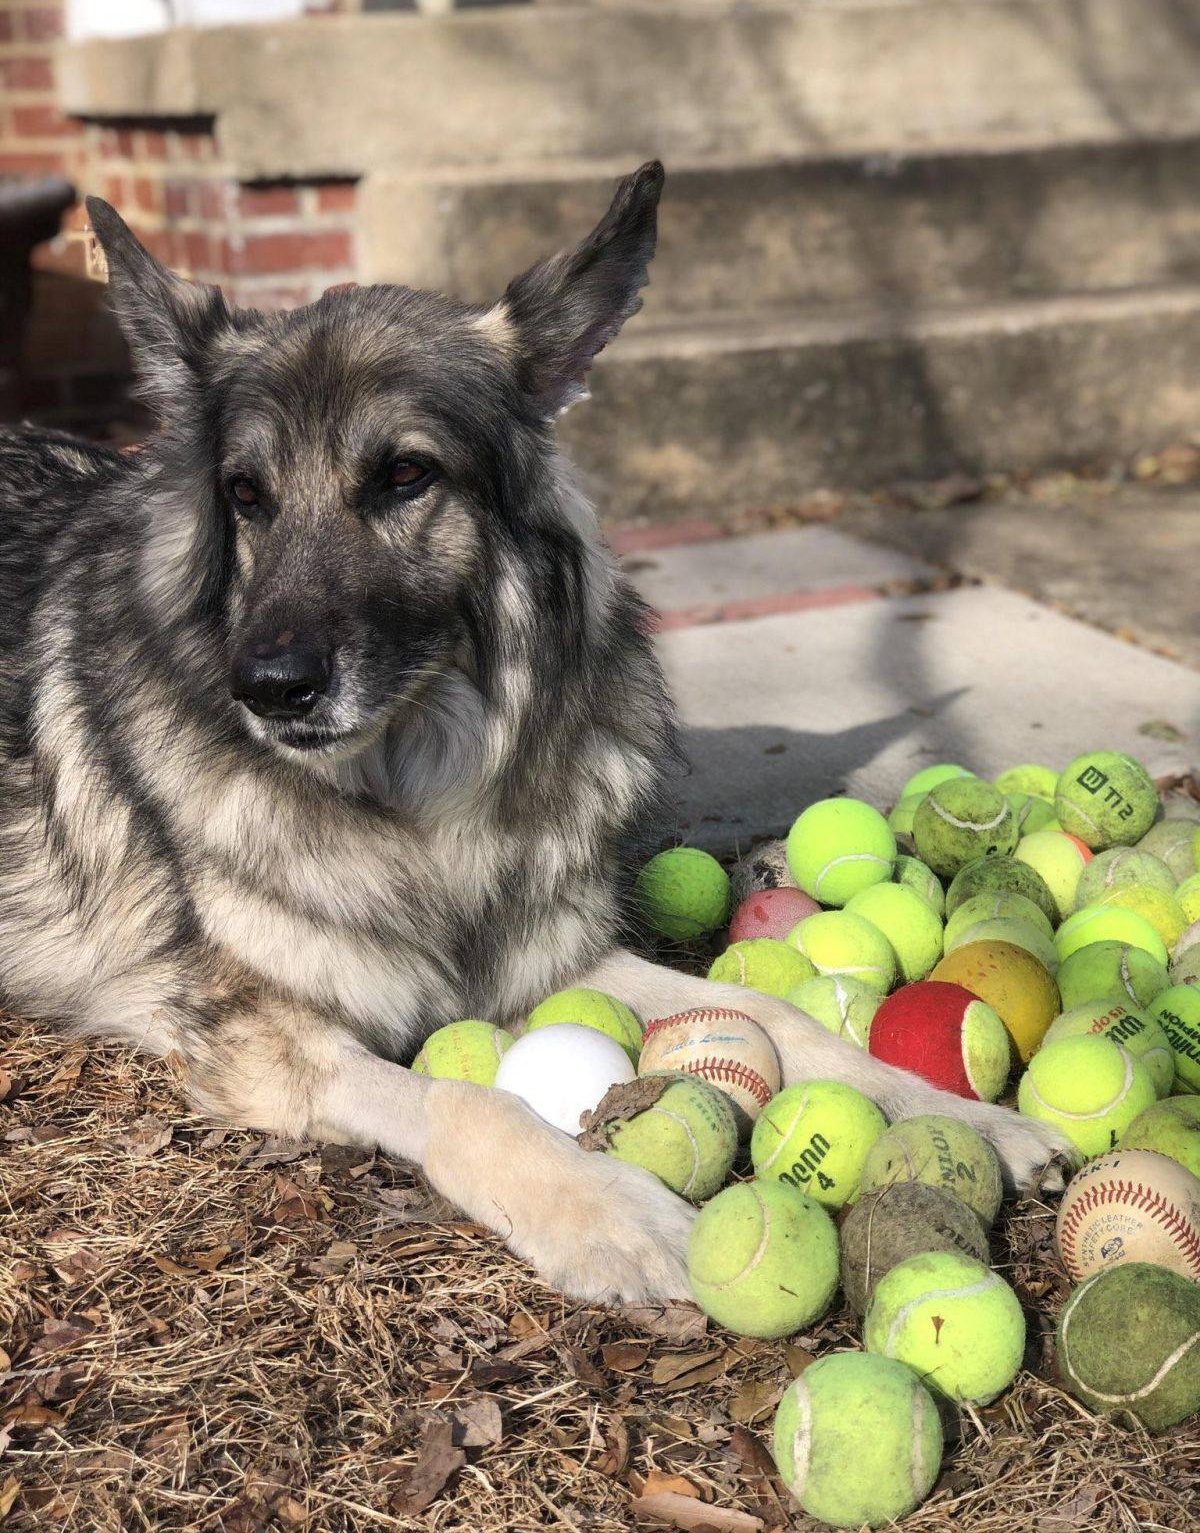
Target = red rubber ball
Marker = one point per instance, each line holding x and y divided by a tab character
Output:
947	1036
771	913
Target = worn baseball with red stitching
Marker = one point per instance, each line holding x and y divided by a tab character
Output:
1130	1206
724	1047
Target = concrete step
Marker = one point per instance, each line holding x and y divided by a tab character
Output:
744	235
752	410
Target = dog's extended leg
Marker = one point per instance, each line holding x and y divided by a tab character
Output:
808	1052
594	1227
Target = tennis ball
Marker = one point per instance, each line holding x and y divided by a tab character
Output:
995	907
590	1008
1106	799
1119	867
1188	895
839	847
1163	911
1088	1089
1039	781
1178	1009
907	922
887	1226
1108	923
770	913
683	893
931	776
1110	971
1172	842
1013	983
1169	1128
1184	968
902	815
1060	860
1022	934
912	873
762	964
1000	875
957	1325
947	1036
815	1136
961	821
688	1139
938	1152
857	1440
837	942
843	1006
763	1259
464	1051
1138	1034
1032	813
1127	1343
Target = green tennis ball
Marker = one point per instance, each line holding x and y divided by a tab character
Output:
1178	1009
901	818
1171	1127
815	1136
1108	923
960	821
912	873
1135	1032
843	1006
1172	842
931	777
1022	934
1110	970
957	1325
857	1440
1088	1088
1184	967
763	1259
887	1226
590	1008
907	922
1059	861
938	1152
1119	867
837	942
838	847
1039	781
1106	799
762	963
464	1051
688	1139
1001	875
1188	895
995	907
683	893
1127	1344
1163	911
1032	813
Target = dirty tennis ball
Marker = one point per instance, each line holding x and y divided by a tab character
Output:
1178	1009
1136	1032
1184	968
1110	970
1032	813
688	1139
590	1008
1188	895
1120	866
1170	1127
912	873
683	894
1003	905
770	913
1106	799
1088	1088
938	1152
907	922
1039	781
1127	1344
1173	842
1013	983
763	964
857	1440
838	942
838	847
843	1006
960	821
464	1051
815	1136
763	1259
1023	934
890	1224
1108	923
1059	859
996	876
931	777
902	815
947	1036
1162	910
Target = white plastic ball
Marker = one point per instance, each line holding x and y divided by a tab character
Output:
563	1071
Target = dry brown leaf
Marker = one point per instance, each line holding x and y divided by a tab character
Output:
676	1511
9	1492
655	1483
33	1416
679	1323
682	1365
617	1105
208	1261
614	1461
753	1452
477	1423
755	1399
438	1460
336	1258
146	1137
797	1358
623	1356
6	1084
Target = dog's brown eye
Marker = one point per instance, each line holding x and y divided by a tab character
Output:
408	474
244	491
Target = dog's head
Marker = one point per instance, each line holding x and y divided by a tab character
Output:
350	468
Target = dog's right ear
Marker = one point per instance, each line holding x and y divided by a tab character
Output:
170	324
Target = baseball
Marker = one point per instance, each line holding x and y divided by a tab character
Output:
726	1048
1130	1206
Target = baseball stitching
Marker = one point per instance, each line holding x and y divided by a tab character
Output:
1131	1195
699	1017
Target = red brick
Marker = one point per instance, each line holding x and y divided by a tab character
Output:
263	254
267	201
278	295
42	23
115	189
336	197
197	251
147	195
123	142
212	199
26	74
177	196
31	164
157	242
6	27
40	122
153	145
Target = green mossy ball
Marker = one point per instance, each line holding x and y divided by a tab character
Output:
1000	875
1168	1128
939	1152
1030	778
815	1136
838	942
890	1224
1173	842
683	894
763	964
908	922
912	873
1108	923
1106	799
1178	1009
857	1440
843	1006
1137	1033
590	1008
464	1051
959	822
1118	868
688	1139
996	907
931	777
839	847
1110	970
1127	1344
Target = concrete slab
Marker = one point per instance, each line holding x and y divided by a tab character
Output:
782	710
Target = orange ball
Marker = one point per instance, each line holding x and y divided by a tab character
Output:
1012	982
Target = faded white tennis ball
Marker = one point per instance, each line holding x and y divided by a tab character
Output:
561	1072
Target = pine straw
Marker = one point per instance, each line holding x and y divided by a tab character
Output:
212	1331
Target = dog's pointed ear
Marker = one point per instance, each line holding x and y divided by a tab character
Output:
170	324
563	311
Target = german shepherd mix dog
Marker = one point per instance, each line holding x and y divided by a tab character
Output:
327	718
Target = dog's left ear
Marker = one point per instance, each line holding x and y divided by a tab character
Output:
566	309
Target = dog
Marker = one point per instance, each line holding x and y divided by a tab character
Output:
327	718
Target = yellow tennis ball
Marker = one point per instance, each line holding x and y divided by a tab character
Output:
843	1006
1162	910
1188	895
1108	923
1088	1088
956	1324
815	1135
1001	905
1106	799
908	923
1060	861
912	873
1032	813
838	847
1110	970
1170	1128
763	1259
857	1440
590	1008
763	964
938	1152
931	777
902	815
1173	842
1178	1009
837	942
464	1051
1039	781
1134	1031
688	1139
683	893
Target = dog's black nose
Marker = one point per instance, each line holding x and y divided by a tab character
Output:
286	682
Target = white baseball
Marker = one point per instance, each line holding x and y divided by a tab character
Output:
1130	1206
726	1048
563	1071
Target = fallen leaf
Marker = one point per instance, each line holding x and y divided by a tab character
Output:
213	1139
33	1416
754	1453
618	1104
754	1400
69	1258
797	1358
624	1356
9	1492
656	1484
477	1423
683	1512
683	1365
614	1461
437	1461
60	1336
146	1137
336	1259
272	1151
1159	729
677	1322
6	1084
